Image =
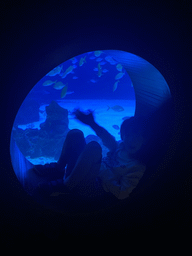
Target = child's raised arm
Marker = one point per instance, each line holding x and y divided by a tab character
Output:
88	119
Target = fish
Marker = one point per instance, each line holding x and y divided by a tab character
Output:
119	67
70	92
75	77
116	127
110	60
119	76
125	117
103	62
115	85
82	61
64	92
93	81
68	71
92	57
99	70
97	53
116	108
74	60
99	59
104	70
91	137
58	86
55	71
49	82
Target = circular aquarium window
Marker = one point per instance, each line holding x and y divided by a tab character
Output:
100	81
94	81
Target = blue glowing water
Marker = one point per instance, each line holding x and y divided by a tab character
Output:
87	79
93	80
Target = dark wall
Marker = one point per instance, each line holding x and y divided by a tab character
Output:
35	38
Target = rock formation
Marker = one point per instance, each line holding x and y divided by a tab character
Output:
47	141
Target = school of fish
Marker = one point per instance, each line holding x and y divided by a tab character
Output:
99	57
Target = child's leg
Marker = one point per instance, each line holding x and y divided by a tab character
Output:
72	148
87	166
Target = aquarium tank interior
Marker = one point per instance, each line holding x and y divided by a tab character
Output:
91	81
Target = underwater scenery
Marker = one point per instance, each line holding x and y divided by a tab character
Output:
91	81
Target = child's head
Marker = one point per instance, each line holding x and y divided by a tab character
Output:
132	134
146	138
